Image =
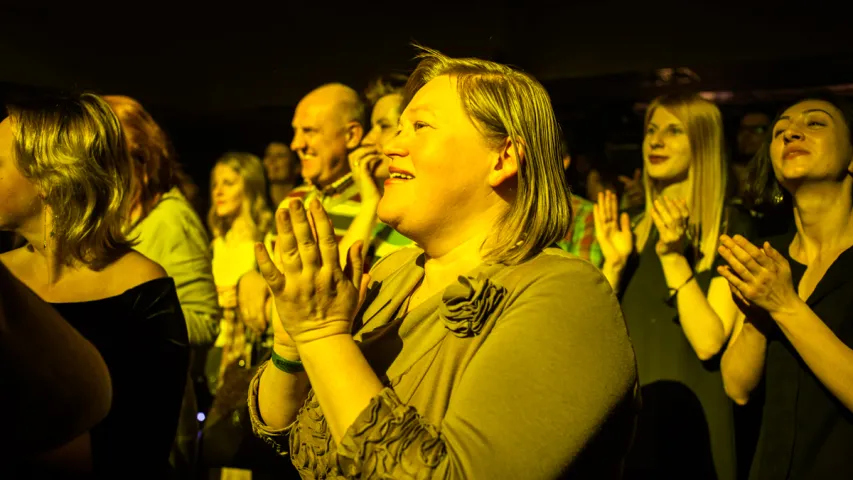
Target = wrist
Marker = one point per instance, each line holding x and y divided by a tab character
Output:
613	266
788	312
321	347
289	352
331	329
672	258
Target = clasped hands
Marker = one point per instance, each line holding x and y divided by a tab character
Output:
315	298
758	277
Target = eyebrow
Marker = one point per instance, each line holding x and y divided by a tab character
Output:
811	110
671	124
422	109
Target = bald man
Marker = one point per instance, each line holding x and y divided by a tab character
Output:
328	124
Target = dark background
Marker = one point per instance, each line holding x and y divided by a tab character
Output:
220	78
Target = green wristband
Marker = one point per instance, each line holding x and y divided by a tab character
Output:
285	365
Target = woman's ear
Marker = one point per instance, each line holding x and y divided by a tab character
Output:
507	162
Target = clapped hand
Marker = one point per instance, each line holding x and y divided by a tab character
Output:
758	276
612	230
315	298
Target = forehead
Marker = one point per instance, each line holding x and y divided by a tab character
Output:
662	116
277	149
808	105
387	105
224	171
6	137
438	96
311	111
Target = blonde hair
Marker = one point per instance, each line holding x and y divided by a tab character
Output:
506	103
707	177
251	172
73	149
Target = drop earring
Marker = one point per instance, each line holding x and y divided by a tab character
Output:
44	230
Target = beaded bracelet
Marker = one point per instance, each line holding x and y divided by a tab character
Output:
285	365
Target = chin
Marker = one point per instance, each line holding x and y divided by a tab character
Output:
387	213
224	211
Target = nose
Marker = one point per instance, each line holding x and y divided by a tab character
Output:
791	133
298	142
395	148
656	141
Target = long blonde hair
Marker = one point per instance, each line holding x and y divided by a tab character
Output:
506	103
251	171
707	177
73	149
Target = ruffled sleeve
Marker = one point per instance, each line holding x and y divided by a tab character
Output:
277	438
390	440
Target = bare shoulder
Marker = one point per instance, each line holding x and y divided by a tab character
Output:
13	259
134	269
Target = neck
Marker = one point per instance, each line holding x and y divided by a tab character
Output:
440	271
340	173
677	190
459	252
279	191
240	228
46	262
824	217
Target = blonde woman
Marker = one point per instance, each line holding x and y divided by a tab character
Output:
485	354
238	217
678	310
65	175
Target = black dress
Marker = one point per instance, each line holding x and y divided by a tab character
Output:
806	432
142	336
686	426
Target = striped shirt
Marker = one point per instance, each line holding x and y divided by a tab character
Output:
342	202
580	239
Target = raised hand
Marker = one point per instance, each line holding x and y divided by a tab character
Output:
363	162
671	219
313	296
759	276
612	230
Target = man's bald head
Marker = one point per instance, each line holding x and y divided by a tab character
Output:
328	123
341	100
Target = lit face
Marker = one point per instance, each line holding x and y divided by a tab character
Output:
751	133
811	143
279	163
440	165
320	141
383	121
227	191
666	148
19	203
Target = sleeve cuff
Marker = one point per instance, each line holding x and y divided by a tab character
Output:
277	438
